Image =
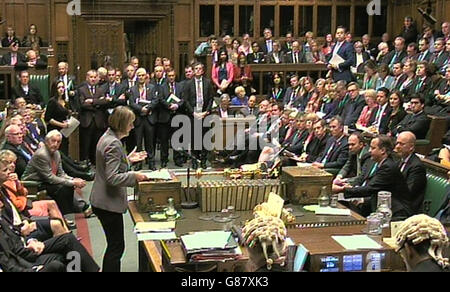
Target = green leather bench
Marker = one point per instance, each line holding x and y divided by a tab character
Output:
435	193
43	83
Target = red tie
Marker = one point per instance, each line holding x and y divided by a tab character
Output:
13	60
54	167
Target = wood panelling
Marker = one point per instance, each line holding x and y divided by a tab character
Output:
21	13
62	23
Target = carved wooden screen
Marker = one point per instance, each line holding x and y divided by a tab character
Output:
105	38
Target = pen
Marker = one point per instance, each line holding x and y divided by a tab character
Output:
166	249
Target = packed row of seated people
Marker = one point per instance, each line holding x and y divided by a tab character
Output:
231	57
35	236
27	137
32	58
362	168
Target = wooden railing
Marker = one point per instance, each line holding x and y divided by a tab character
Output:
261	70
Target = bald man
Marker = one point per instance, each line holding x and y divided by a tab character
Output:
412	169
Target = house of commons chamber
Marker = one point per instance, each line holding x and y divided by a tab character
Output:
231	136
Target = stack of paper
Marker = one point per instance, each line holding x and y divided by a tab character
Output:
210	245
355	242
155	230
332	211
162	174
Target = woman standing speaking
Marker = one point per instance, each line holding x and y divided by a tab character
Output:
109	192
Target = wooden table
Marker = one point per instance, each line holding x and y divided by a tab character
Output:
150	255
321	245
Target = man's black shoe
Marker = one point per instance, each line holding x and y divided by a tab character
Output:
138	167
152	166
179	163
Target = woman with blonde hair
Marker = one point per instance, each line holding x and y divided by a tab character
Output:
109	192
371	101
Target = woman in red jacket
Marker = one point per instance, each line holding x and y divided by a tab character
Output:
223	73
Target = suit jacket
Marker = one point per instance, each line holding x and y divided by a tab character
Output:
264	48
6	42
410	35
440	60
246	111
115	92
109	191
40	168
289	57
399	80
162	93
336	153
387	177
190	96
95	112
316	148
366	57
74	102
385	116
297	142
425	89
396	118
354	165
21	61
425	56
352	110
255	58
390	56
346	52
271	58
33	96
418	124
14	257
179	92
416	178
296	100
22	159
152	104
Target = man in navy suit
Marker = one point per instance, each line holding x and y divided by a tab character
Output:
383	175
336	151
345	51
198	100
412	169
145	106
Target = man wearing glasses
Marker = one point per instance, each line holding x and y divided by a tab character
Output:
416	122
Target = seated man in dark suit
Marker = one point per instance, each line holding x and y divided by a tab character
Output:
416	122
336	151
14	142
14	57
354	106
251	109
223	110
295	56
412	169
24	89
317	146
384	175
51	255
353	168
46	167
292	97
34	62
